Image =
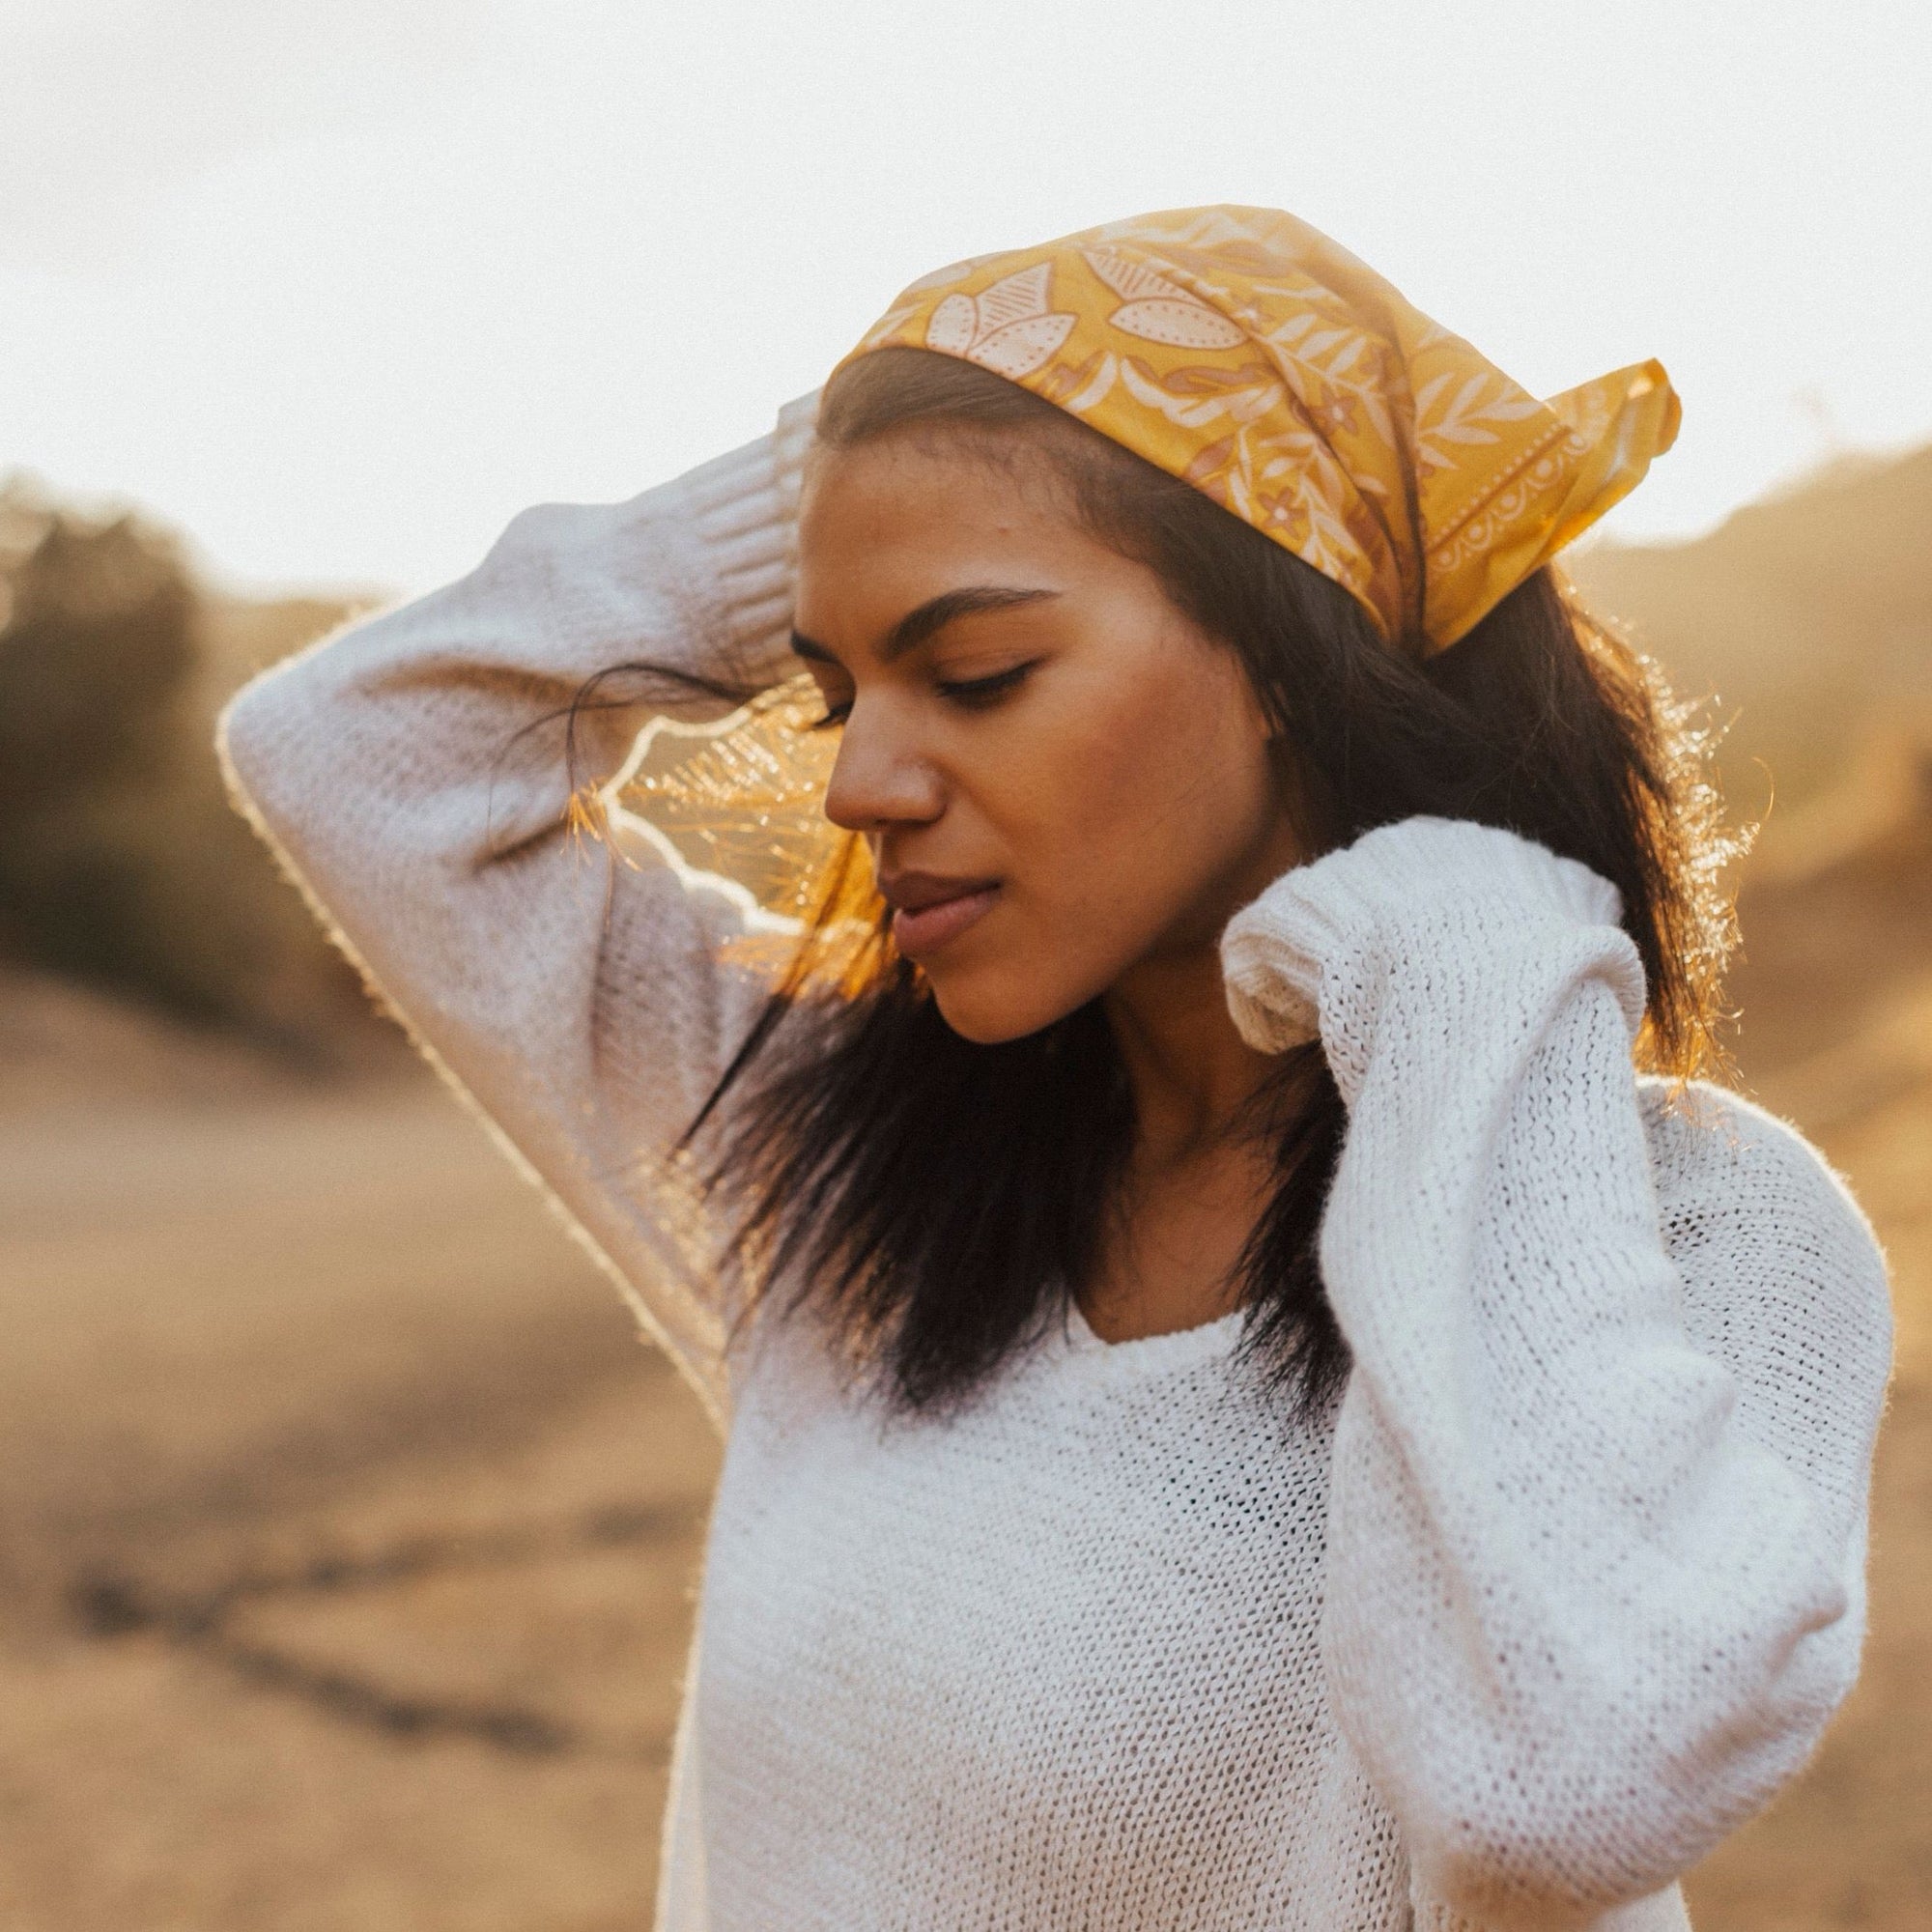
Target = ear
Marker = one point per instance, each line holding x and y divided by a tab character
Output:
1261	717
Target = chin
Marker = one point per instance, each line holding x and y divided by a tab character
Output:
990	1008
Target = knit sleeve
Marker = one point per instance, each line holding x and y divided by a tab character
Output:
1600	1470
414	776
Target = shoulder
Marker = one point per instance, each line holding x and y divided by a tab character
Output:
1708	1144
1783	1270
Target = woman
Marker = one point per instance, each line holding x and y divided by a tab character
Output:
1245	1406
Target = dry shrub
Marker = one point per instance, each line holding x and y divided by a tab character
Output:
120	861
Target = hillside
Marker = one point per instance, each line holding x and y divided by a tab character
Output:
1808	616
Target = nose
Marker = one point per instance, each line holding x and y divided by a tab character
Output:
881	778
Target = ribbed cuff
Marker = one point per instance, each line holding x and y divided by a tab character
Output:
1346	913
740	511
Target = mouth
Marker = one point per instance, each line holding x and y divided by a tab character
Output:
930	912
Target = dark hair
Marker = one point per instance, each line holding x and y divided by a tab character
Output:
940	1200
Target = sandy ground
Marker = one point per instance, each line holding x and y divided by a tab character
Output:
348	1535
347	1532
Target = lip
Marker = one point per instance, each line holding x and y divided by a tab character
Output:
929	911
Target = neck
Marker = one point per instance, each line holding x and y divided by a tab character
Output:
1189	1070
1193	1185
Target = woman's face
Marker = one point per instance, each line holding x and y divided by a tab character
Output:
1060	779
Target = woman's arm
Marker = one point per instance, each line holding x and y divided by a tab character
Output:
1595	1584
412	773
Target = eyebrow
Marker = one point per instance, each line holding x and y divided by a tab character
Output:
927	619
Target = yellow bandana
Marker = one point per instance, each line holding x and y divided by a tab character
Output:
1243	352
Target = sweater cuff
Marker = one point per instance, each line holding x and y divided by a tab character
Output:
1432	1916
1345	917
738	516
1659	1912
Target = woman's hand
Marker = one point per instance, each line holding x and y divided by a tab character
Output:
1319	951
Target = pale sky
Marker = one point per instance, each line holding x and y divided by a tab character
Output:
337	286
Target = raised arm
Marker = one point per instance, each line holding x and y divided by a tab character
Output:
412	773
1598	1516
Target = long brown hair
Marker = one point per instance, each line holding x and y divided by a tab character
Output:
940	1200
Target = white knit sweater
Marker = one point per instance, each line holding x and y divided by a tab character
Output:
1560	1591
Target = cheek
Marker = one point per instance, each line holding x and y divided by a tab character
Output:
1121	810
1125	806
1166	785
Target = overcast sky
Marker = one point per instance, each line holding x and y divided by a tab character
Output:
339	285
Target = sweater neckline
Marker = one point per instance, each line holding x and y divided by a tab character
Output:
1178	1348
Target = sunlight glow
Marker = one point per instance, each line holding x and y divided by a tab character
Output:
339	290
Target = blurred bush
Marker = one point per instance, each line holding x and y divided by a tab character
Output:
121	861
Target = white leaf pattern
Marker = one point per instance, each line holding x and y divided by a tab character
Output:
954	323
1006	328
1155	309
1128	279
1467	418
1022	347
1018	298
1179	325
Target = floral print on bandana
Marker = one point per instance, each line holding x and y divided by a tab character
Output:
1245	352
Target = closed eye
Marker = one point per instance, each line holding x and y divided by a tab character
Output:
973	694
976	694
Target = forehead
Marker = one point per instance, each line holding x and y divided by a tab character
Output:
920	506
976	472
